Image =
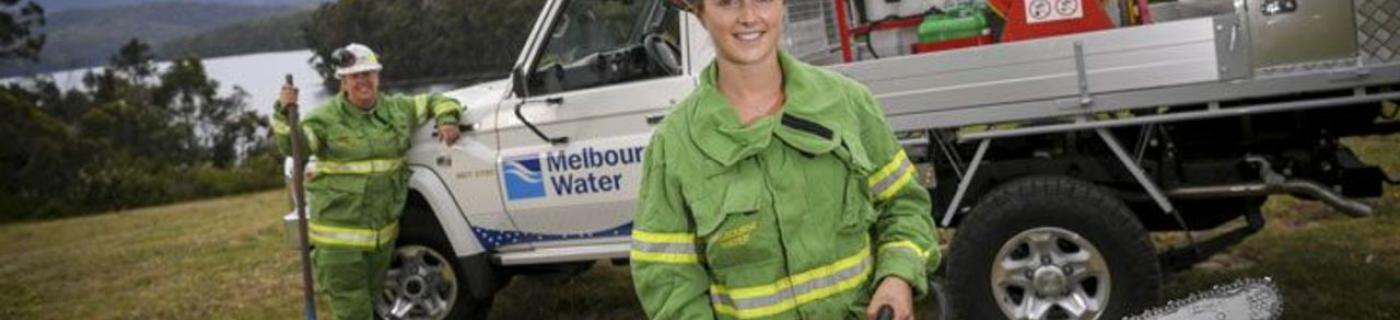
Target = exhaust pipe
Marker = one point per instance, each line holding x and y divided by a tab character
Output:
1293	187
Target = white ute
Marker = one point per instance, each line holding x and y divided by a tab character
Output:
1216	110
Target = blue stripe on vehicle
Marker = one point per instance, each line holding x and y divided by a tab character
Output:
490	239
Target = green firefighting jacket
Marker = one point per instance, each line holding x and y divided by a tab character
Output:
798	215
357	193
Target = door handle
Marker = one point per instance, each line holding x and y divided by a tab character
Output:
656	119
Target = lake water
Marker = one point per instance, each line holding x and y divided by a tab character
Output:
260	74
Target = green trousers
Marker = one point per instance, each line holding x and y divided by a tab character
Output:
350	279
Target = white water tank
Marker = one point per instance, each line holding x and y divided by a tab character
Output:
880	9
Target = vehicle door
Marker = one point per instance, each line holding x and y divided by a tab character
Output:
573	135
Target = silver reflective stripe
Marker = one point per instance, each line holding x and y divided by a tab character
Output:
791	293
359	167
359	238
663	247
889	180
344	237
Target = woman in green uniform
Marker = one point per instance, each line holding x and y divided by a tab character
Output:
776	190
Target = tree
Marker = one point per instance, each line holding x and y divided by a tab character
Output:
133	60
19	24
126	140
185	89
33	167
424	41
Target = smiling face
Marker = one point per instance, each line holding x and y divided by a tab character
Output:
745	32
361	88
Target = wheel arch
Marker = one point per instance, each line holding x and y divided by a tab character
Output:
427	189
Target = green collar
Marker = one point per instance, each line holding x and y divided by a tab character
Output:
803	122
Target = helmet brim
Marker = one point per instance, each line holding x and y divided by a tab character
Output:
358	68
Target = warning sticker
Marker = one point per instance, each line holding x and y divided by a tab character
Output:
1038	11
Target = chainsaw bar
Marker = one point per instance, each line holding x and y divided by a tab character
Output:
1252	299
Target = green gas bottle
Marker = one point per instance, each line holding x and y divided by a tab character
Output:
960	22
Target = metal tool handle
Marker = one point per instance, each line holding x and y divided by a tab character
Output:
299	200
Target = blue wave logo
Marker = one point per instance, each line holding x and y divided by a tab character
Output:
523	178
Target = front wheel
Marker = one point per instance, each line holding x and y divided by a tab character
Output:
1052	248
423	283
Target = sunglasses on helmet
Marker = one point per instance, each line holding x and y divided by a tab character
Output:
342	58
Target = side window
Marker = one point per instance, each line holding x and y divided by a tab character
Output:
600	42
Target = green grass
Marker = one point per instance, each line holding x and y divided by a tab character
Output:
225	259
1327	265
220	258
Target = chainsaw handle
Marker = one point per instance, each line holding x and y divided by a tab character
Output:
886	313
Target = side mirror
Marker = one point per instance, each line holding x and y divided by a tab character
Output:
517	82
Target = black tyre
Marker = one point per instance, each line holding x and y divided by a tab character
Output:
1051	248
425	282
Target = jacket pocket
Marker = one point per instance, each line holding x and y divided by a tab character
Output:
733	228
335	198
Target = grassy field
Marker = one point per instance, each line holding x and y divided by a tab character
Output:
225	259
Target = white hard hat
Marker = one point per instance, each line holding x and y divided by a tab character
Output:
354	58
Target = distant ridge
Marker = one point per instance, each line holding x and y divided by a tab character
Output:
55	6
80	38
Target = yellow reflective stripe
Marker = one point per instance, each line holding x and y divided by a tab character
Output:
280	127
443	107
351	237
358	167
888	168
657	237
675	248
790	304
898	184
787	282
312	143
420	107
673	258
884	183
903	244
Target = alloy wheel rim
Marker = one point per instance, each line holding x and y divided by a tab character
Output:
420	284
1050	273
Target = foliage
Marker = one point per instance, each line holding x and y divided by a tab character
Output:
424	41
19	24
135	136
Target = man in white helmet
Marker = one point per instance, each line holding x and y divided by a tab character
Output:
360	184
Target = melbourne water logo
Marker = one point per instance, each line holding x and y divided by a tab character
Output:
523	178
568	173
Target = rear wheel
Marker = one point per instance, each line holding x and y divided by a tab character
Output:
1052	248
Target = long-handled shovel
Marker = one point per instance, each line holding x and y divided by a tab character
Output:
299	199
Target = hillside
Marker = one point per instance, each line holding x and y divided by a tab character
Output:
86	37
278	33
